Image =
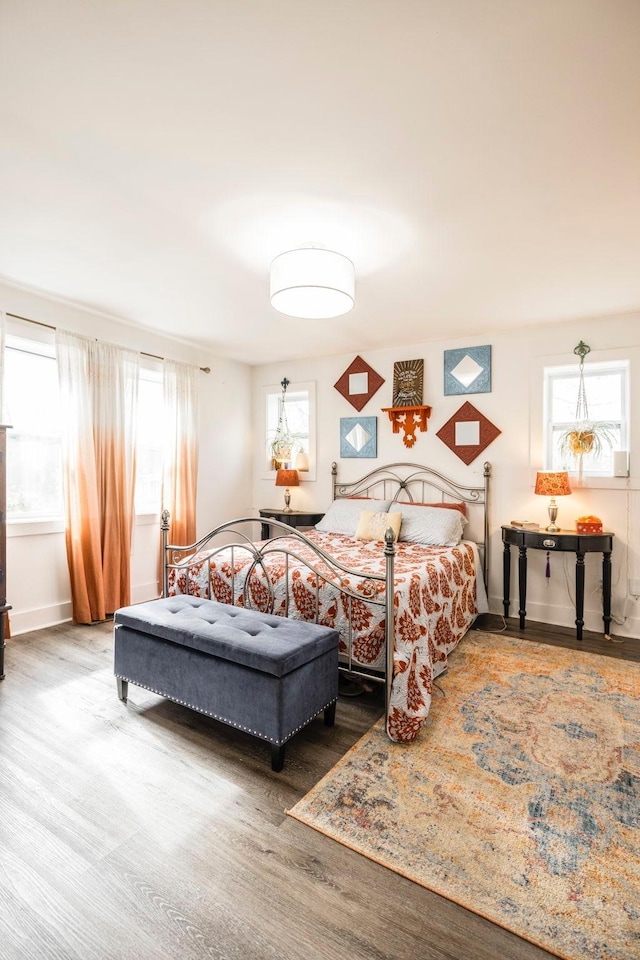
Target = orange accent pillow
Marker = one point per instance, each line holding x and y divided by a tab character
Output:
462	507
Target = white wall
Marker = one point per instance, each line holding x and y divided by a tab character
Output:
37	578
515	406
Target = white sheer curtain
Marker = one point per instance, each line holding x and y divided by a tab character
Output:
98	392
180	469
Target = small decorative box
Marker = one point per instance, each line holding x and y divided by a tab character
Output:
590	525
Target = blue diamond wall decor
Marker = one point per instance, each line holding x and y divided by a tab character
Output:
359	437
467	370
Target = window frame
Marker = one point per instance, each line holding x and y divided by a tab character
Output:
551	374
39	342
149	370
270	397
537	411
40	339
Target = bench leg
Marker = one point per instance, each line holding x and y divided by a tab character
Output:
330	715
123	689
277	757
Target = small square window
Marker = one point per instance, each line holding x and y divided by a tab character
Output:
606	387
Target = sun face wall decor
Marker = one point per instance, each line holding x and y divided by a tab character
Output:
358	383
408	414
468	432
467	370
408	383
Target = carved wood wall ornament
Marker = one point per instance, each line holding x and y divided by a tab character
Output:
408	419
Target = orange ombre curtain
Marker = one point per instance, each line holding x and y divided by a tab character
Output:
98	391
180	467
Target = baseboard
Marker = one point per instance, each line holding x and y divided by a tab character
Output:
40	617
561	616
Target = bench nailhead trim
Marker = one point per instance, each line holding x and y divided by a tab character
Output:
217	716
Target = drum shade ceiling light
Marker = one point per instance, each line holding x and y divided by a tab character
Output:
312	283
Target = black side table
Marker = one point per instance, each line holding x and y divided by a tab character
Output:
567	541
294	518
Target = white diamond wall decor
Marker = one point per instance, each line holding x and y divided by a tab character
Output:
467	370
359	437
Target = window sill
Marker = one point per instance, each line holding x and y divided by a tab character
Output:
146	519
604	483
41	528
30	528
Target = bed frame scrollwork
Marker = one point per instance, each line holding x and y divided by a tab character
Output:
402	482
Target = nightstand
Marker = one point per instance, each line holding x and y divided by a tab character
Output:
560	541
294	518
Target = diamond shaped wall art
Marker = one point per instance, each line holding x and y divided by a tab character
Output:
468	433
358	383
359	437
467	370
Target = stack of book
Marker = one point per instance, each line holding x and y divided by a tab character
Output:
525	524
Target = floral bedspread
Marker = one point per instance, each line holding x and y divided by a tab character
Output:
435	602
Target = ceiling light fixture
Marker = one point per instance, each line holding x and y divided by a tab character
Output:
312	283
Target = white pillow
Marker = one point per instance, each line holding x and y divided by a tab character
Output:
373	526
343	515
429	525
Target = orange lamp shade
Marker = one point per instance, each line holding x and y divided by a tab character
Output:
552	484
287	478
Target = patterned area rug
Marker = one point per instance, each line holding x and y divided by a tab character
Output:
520	800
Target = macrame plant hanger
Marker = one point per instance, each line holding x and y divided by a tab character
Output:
582	411
282	444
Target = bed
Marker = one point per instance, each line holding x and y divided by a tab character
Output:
398	565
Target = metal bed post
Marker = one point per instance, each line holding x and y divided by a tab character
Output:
389	607
164	527
485	559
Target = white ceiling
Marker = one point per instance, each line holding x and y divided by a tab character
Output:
478	160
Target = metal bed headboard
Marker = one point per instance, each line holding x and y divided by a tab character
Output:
415	483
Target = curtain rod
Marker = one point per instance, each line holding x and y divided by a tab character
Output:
39	323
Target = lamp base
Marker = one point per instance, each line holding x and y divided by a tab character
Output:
287	501
553	513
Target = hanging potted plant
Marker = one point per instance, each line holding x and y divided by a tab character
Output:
283	442
585	436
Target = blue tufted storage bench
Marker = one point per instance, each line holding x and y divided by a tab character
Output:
267	675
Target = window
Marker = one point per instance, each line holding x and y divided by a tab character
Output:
606	389
34	447
34	458
150	442
300	412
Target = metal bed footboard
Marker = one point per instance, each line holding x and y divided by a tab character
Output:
185	558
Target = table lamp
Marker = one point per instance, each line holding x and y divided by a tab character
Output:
552	484
287	478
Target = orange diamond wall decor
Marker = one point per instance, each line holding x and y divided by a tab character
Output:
358	383
468	433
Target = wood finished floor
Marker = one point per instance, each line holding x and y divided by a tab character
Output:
147	831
